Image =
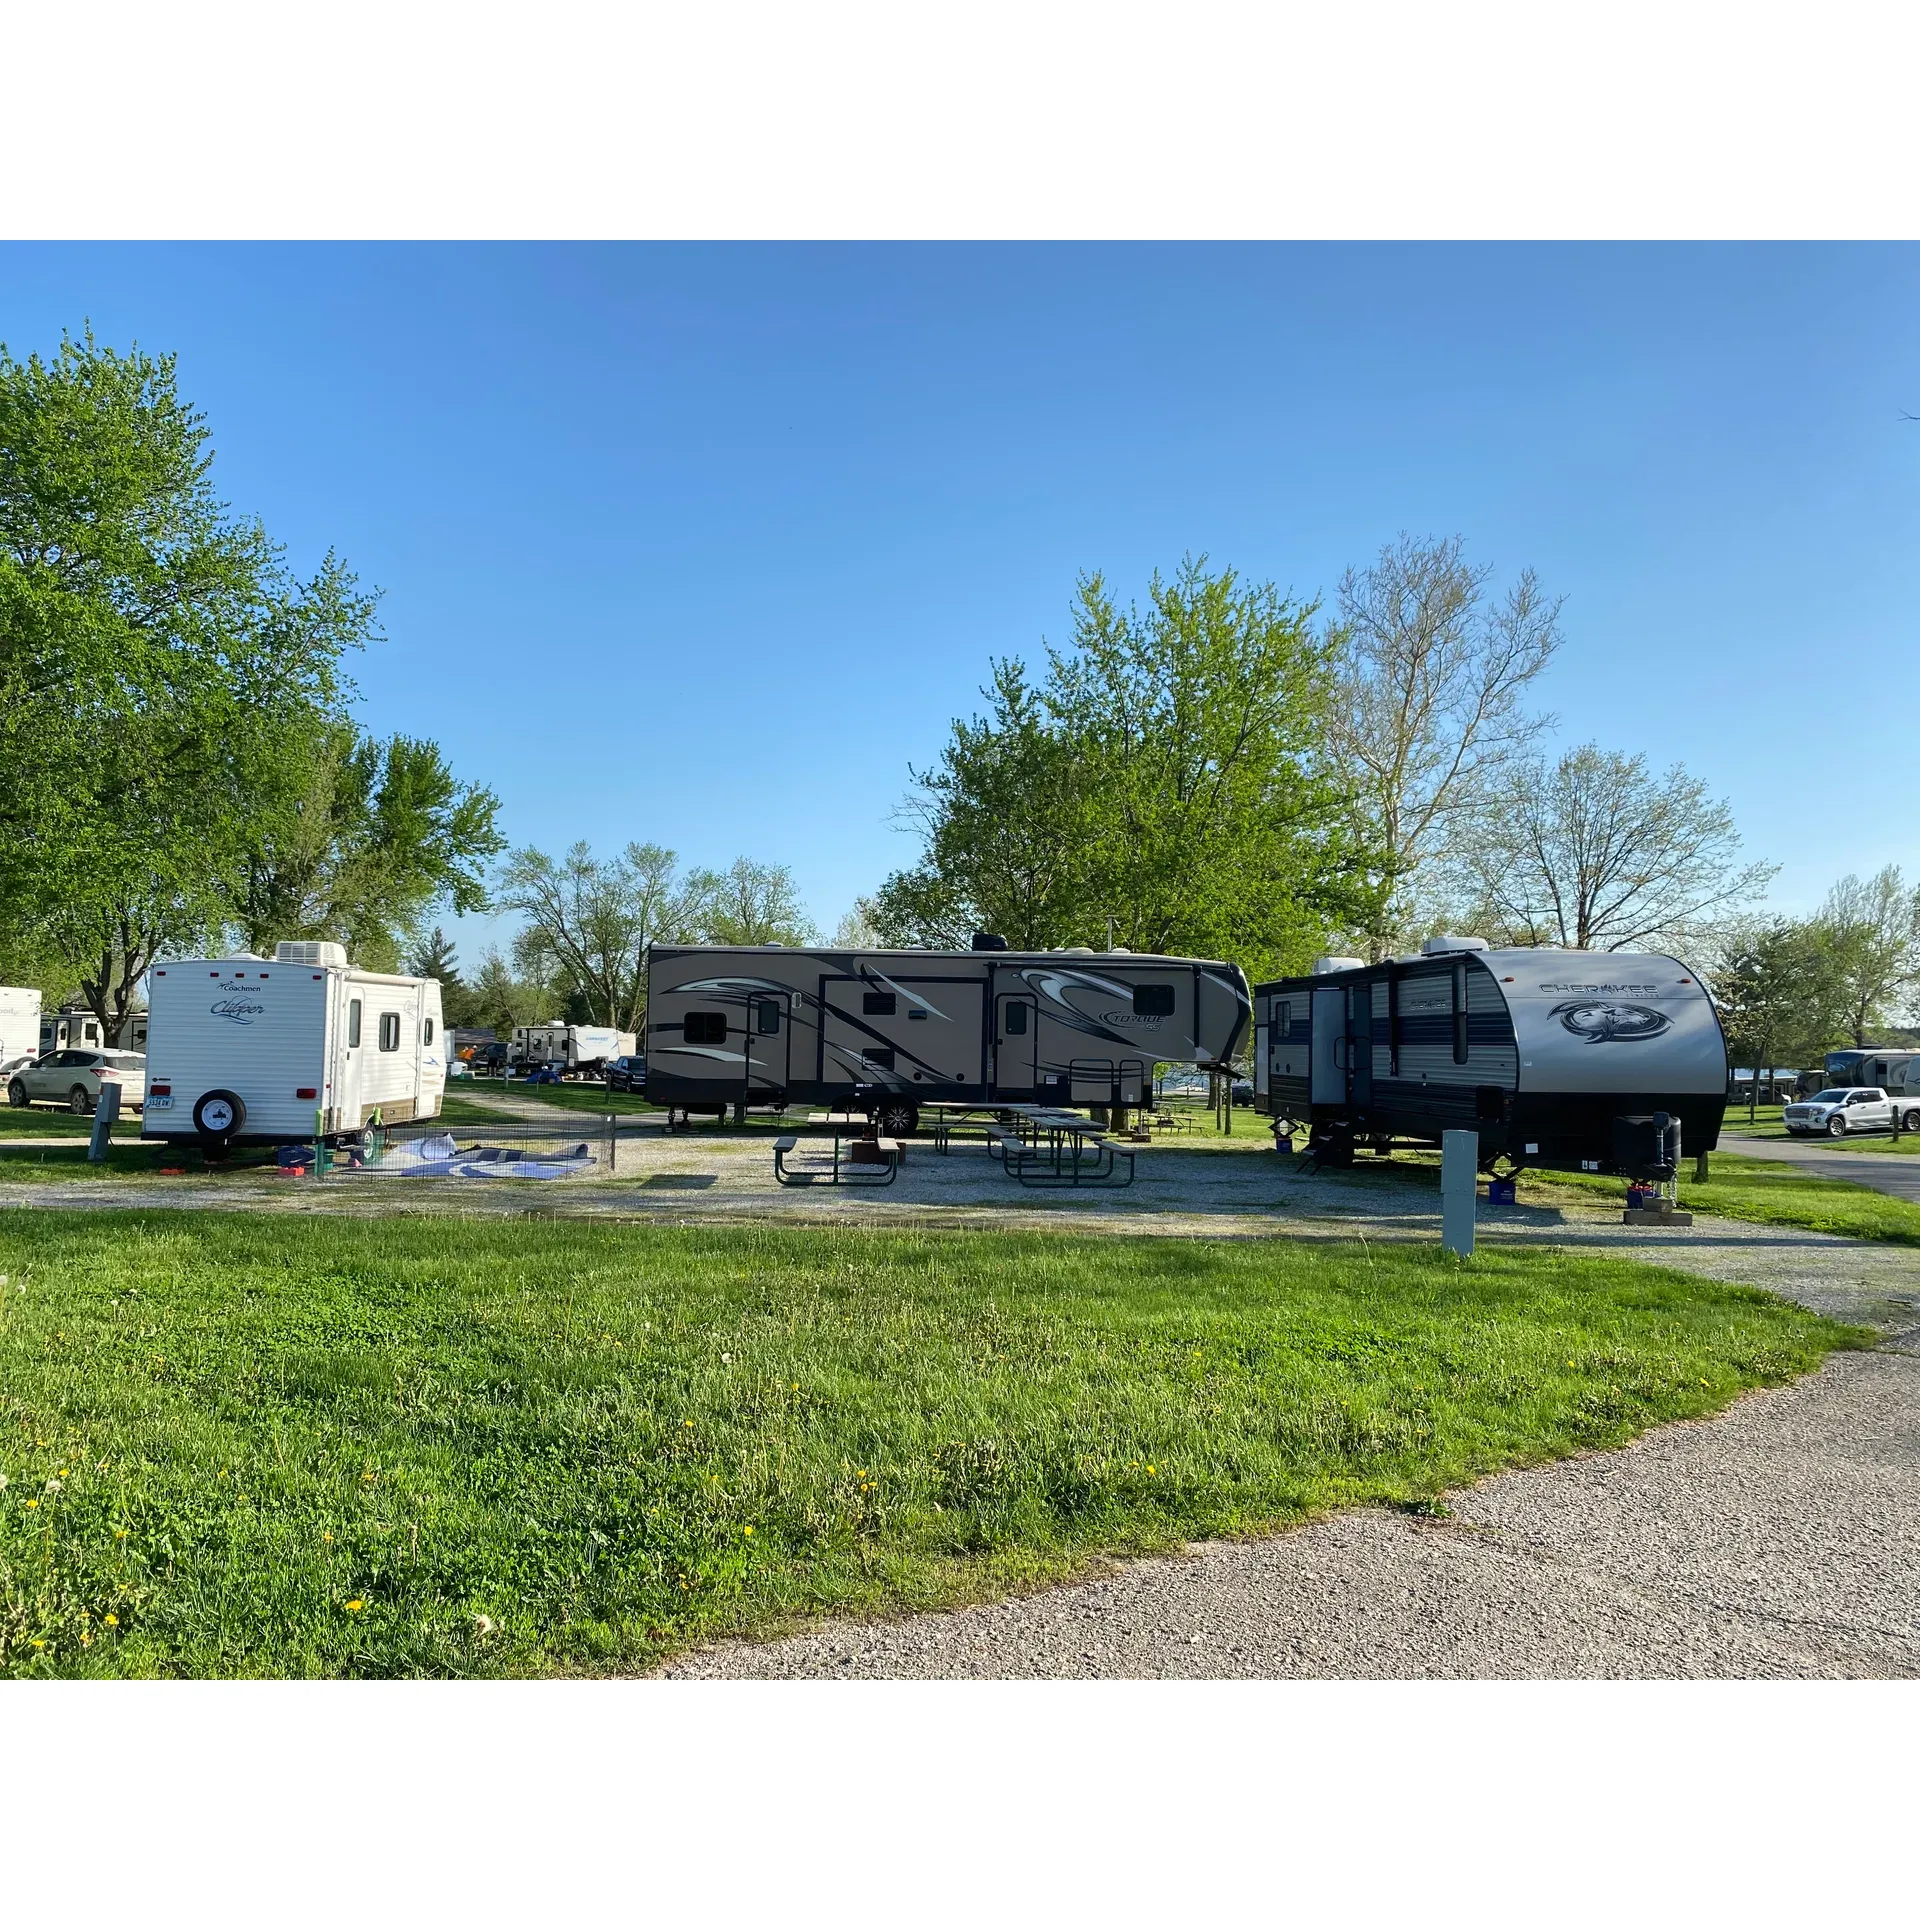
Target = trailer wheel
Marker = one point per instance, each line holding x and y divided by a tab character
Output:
897	1119
217	1117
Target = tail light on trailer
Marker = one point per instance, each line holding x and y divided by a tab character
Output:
306	1093
162	1086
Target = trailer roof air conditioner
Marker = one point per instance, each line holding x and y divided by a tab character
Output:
1335	963
1454	943
311	953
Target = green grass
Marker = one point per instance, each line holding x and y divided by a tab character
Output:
1773	1193
24	1122
579	1099
1867	1143
243	1445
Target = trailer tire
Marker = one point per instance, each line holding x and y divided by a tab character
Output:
217	1116
897	1119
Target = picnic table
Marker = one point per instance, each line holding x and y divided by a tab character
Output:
1051	1146
843	1170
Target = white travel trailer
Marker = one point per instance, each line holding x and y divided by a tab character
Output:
888	1032
19	1022
574	1048
243	1049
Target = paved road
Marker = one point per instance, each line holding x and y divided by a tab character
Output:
1897	1174
1779	1540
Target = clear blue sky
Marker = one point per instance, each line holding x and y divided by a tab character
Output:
706	545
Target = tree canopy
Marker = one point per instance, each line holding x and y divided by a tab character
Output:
1165	786
168	685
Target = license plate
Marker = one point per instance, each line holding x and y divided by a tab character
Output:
158	1100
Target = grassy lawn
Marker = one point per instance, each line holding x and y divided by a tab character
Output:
23	1123
1774	1193
577	1099
1867	1143
240	1444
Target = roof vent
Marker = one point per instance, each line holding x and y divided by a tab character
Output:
989	943
1335	963
1454	943
311	953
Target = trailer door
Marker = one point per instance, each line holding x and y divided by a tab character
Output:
1328	1086
769	1045
1016	1041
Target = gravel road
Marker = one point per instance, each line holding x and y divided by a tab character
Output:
1779	1540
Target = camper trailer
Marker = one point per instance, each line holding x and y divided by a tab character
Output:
573	1049
1547	1054
889	1031
19	1022
1869	1066
244	1049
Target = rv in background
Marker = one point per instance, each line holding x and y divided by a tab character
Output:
78	1026
269	1052
1546	1054
1867	1066
19	1022
888	1031
573	1049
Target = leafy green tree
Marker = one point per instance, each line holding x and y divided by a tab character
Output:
374	833
161	669
1873	927
1165	787
502	1001
1780	998
752	904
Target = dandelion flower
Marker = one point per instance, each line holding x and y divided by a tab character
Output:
119	1533
33	1503
749	1530
39	1643
113	1619
1149	1466
354	1606
327	1539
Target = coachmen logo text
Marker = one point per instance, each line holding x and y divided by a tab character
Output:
239	1011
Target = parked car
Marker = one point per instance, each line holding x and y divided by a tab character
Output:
72	1077
627	1074
1842	1110
1243	1093
12	1065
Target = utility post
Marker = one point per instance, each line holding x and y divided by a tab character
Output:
106	1111
1459	1187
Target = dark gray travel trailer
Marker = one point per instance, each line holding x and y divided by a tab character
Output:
1547	1054
888	1032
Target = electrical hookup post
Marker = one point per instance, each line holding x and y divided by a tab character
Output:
1459	1188
106	1111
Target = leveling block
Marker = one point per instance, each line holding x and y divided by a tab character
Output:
1655	1213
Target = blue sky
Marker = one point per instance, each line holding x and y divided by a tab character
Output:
705	545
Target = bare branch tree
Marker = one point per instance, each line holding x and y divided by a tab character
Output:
1429	710
754	903
1595	852
592	921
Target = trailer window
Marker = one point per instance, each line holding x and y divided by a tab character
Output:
877	1003
1016	1016
1459	1016
426	1032
706	1029
353	1023
767	1016
389	1033
1156	1002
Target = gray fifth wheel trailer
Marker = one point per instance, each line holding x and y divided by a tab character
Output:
887	1032
1549	1055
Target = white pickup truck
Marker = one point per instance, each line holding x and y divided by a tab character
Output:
1844	1110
